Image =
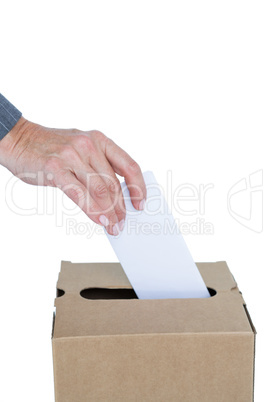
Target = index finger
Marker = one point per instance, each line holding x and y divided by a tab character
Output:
125	166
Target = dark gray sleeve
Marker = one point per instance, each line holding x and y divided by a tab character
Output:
9	115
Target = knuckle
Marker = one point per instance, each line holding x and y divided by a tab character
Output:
84	142
113	186
75	131
99	137
68	152
77	195
97	134
133	168
100	191
74	193
52	164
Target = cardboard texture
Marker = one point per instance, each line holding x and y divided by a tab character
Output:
110	346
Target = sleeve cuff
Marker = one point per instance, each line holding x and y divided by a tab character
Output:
9	116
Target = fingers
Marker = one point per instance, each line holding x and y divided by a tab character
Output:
125	166
106	172
99	191
89	178
94	206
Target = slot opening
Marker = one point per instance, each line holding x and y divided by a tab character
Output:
116	293
60	292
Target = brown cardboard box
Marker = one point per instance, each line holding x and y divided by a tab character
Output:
110	346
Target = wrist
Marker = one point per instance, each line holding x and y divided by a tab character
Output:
9	143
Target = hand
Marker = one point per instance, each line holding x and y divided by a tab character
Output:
81	163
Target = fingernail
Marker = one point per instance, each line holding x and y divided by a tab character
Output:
121	224
103	220
142	205
116	230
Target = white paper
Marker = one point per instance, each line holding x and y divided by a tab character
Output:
153	252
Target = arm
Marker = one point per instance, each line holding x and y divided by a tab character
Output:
83	164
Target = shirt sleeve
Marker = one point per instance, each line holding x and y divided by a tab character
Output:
9	116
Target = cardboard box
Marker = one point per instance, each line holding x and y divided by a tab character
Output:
110	346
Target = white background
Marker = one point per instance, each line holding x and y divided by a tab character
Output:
182	87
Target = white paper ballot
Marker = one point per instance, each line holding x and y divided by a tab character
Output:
153	252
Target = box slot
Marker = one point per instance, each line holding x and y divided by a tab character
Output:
116	293
60	292
108	293
212	292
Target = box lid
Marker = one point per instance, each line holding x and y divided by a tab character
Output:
77	316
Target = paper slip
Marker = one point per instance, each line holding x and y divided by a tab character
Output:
153	252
